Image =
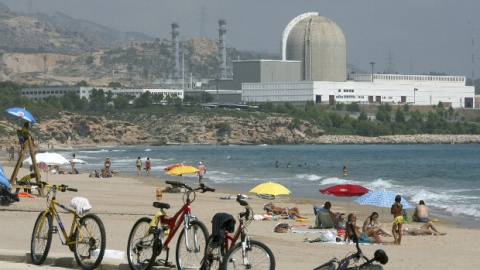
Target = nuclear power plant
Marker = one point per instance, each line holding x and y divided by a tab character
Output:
313	68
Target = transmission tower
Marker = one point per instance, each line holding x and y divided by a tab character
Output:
390	65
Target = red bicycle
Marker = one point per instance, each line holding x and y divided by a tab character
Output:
149	237
222	250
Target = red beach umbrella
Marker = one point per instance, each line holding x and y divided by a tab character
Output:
347	190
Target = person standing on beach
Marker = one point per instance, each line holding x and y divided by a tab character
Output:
73	163
106	169
397	212
148	166
201	172
139	166
11	153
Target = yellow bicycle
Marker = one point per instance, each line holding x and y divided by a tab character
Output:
87	238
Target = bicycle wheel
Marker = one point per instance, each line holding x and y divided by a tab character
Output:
327	266
213	255
190	254
259	257
41	239
373	267
90	242
140	251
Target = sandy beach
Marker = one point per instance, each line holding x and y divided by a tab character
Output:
123	199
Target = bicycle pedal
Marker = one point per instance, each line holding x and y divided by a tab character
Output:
162	262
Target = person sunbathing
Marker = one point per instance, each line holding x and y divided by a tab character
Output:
283	210
371	226
424	230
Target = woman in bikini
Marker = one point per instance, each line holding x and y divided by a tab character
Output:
371	226
424	230
362	237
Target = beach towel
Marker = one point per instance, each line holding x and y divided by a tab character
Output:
25	195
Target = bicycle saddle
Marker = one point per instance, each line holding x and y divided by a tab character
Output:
161	205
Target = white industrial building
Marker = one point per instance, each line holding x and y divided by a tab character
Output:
43	93
385	88
314	50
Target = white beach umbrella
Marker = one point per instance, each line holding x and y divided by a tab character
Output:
48	158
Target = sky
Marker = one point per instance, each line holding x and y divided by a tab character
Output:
405	36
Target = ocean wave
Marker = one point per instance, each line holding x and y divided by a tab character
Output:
379	184
309	177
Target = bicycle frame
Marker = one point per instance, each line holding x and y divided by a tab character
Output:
174	223
233	239
64	237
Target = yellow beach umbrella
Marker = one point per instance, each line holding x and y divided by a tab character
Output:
183	169
270	188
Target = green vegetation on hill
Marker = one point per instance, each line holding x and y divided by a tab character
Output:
334	119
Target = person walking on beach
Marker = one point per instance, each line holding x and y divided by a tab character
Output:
397	212
148	166
73	163
201	172
139	166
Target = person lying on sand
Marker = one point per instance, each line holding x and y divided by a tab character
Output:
424	230
283	210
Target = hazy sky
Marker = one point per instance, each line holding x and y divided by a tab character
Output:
409	36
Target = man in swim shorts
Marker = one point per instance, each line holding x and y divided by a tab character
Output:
421	212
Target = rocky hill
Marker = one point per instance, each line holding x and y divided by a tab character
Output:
71	130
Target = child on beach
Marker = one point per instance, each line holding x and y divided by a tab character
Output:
397	212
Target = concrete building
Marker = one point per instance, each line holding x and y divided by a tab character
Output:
319	44
386	88
43	93
58	91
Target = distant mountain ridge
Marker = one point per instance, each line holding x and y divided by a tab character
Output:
26	34
112	37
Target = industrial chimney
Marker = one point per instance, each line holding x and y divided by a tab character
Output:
176	45
222	47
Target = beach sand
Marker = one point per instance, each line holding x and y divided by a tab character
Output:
123	199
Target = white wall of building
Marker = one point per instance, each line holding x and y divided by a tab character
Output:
430	90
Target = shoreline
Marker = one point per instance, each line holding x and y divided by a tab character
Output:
321	140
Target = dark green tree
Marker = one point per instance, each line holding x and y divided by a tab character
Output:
144	100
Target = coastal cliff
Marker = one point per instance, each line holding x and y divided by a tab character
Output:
74	130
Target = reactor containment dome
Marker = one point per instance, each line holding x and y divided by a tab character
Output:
319	43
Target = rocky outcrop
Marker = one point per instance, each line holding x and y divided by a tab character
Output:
70	129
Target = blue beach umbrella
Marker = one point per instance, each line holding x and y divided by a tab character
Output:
4	179
381	198
22	113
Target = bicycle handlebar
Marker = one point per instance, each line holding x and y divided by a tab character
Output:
202	187
62	187
241	199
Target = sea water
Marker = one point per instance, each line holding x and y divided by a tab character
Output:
444	176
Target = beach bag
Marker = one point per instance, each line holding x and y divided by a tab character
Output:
328	236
